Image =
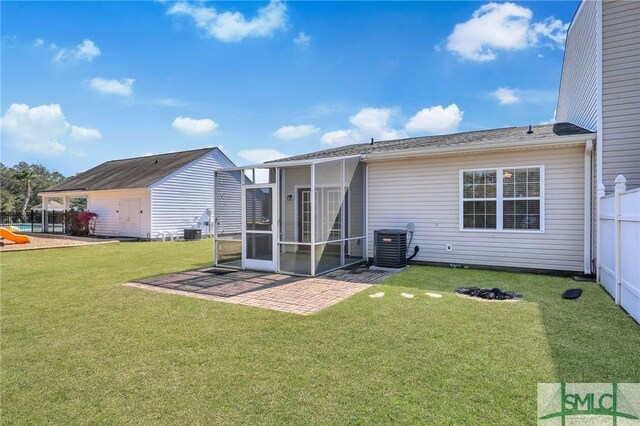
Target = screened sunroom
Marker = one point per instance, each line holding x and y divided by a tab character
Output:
296	217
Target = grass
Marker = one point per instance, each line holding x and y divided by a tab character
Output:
77	347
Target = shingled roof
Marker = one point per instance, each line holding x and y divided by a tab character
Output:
494	136
138	172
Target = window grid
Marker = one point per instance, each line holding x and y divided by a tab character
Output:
518	201
479	199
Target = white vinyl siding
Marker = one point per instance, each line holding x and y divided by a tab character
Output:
621	92
425	191
185	199
578	97
107	204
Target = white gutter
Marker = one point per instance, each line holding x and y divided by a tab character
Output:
291	163
483	147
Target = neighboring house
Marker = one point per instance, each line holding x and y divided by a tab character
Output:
52	206
600	86
512	197
600	90
145	197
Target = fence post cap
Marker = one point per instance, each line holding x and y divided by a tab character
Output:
620	180
601	190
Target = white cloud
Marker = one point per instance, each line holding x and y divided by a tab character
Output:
195	127
367	123
122	87
261	155
550	121
505	96
302	40
295	132
38	42
502	26
40	130
85	51
342	137
436	120
230	27
84	133
168	102
376	123
553	29
508	96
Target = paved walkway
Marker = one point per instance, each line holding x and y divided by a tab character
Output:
284	293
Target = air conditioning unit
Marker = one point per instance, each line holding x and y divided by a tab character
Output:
390	248
192	234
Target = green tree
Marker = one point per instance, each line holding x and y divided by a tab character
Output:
26	176
6	201
13	194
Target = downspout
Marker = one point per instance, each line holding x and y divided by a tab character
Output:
588	195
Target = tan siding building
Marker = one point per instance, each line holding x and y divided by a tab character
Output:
600	86
426	191
621	92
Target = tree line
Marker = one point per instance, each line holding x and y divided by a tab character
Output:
20	185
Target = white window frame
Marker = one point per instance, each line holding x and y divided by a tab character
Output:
500	200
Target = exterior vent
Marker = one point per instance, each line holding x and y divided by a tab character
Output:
390	248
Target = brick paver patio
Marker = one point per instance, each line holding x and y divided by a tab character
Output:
285	293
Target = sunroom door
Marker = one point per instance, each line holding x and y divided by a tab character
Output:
258	248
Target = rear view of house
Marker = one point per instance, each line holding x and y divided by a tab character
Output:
515	197
148	197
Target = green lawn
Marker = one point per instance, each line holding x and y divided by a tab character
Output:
78	347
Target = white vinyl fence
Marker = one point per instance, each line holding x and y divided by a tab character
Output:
619	247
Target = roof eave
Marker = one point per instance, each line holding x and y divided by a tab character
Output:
84	191
483	147
290	163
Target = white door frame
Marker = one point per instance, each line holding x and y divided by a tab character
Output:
139	215
264	265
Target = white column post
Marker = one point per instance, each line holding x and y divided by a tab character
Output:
45	203
620	188
599	194
313	219
343	204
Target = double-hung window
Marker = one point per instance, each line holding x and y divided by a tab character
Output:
502	199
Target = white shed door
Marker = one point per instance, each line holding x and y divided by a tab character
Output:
129	210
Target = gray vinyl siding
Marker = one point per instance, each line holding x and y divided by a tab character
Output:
621	92
185	199
293	179
578	96
425	191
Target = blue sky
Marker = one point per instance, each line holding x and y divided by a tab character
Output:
86	82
